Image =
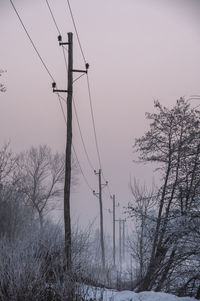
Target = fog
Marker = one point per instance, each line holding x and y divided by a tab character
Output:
138	51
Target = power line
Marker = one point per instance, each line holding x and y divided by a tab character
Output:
64	117
77	35
77	119
61	106
78	77
93	121
88	83
65	60
86	181
54	20
80	131
89	90
45	66
28	35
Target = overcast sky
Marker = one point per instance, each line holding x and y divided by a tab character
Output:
138	51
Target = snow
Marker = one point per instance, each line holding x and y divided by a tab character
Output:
145	296
111	295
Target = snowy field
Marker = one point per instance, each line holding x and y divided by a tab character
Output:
110	295
144	296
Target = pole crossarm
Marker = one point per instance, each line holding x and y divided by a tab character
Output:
96	193
58	90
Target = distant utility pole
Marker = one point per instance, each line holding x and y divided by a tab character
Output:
114	235
120	245
99	194
67	182
113	198
123	240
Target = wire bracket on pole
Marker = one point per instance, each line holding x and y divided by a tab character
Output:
58	90
95	193
74	70
97	173
82	71
60	41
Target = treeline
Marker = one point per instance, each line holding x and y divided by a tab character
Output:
32	252
165	243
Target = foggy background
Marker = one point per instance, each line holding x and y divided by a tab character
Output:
138	51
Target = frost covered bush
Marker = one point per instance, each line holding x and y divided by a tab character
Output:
33	268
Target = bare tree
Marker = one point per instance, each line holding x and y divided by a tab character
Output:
41	175
2	87
7	164
13	214
173	143
142	211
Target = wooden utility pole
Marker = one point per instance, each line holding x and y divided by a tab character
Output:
67	181
121	241
120	245
67	185
123	238
101	217
113	198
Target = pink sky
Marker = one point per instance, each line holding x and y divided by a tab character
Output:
138	50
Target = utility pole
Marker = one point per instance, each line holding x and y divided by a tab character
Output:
114	235
113	198
120	245
67	184
67	181
123	238
121	241
101	216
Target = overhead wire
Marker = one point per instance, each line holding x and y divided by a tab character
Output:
80	131
89	92
75	28
33	44
65	60
79	127
61	106
52	15
93	122
62	109
83	174
86	181
88	83
46	68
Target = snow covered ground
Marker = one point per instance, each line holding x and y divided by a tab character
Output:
145	296
111	295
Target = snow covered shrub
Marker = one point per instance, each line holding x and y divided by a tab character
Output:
33	268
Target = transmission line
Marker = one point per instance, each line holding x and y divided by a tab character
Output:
88	83
28	35
64	117
75	27
93	122
45	66
52	15
86	181
77	119
89	90
61	106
